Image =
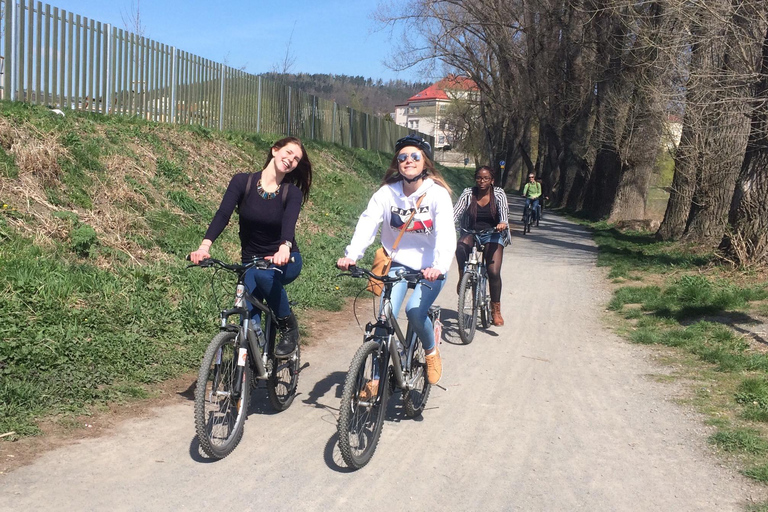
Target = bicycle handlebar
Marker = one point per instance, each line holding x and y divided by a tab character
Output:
258	262
489	231
411	277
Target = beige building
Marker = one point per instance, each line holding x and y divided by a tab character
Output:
424	112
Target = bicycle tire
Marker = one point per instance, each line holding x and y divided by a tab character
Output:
467	313
220	420
415	399
526	221
283	380
359	426
485	303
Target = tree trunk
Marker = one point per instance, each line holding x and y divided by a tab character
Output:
747	242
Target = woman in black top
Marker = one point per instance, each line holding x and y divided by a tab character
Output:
479	208
269	208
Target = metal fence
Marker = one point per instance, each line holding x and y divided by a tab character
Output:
64	60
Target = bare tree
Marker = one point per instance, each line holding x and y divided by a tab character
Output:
285	66
132	19
747	242
726	37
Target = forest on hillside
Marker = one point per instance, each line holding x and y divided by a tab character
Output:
365	94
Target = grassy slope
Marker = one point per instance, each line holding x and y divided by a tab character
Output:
97	213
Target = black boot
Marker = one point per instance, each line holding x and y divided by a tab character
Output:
289	336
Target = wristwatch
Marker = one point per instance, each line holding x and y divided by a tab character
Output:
287	243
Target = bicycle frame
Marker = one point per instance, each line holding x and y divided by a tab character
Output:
394	335
253	341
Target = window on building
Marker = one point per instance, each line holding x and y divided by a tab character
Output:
441	139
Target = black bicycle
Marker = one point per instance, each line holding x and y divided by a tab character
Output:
529	217
474	300
386	361
238	358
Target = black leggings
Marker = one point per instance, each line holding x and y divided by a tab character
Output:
493	256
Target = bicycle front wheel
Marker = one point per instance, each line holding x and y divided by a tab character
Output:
484	302
219	412
467	310
363	403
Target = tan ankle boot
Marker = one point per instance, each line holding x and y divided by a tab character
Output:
496	314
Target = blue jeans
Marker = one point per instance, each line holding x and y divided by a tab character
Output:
417	308
535	202
268	285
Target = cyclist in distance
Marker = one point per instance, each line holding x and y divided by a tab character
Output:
482	207
269	202
531	193
427	244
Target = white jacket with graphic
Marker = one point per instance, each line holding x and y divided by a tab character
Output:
429	240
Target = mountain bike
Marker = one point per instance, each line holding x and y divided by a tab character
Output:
386	361
474	300
237	359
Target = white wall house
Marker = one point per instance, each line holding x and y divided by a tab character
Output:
424	112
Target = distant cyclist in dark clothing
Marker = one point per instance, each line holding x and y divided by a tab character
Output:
269	208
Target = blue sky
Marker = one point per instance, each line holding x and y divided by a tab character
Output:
329	36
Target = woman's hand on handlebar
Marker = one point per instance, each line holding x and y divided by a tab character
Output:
431	274
282	256
344	263
501	226
199	255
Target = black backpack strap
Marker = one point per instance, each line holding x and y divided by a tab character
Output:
248	185
284	195
247	190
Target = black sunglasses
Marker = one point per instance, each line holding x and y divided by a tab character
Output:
415	156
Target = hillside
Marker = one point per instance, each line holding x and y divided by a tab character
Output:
96	302
360	93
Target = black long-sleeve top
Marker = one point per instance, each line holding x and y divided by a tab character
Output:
264	223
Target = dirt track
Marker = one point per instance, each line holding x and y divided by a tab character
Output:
549	412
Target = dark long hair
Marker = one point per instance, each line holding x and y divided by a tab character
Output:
476	194
393	172
301	176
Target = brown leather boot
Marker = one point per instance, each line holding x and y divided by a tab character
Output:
496	314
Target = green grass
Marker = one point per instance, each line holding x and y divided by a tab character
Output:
697	309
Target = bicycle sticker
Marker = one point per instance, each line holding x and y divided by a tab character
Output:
438	331
242	356
218	356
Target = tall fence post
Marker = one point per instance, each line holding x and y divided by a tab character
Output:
289	111
314	108
108	92
11	57
221	101
258	109
333	124
174	64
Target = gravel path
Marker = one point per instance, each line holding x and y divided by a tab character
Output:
550	412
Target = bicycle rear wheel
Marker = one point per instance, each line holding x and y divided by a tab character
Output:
363	403
283	379
219	414
416	397
467	310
